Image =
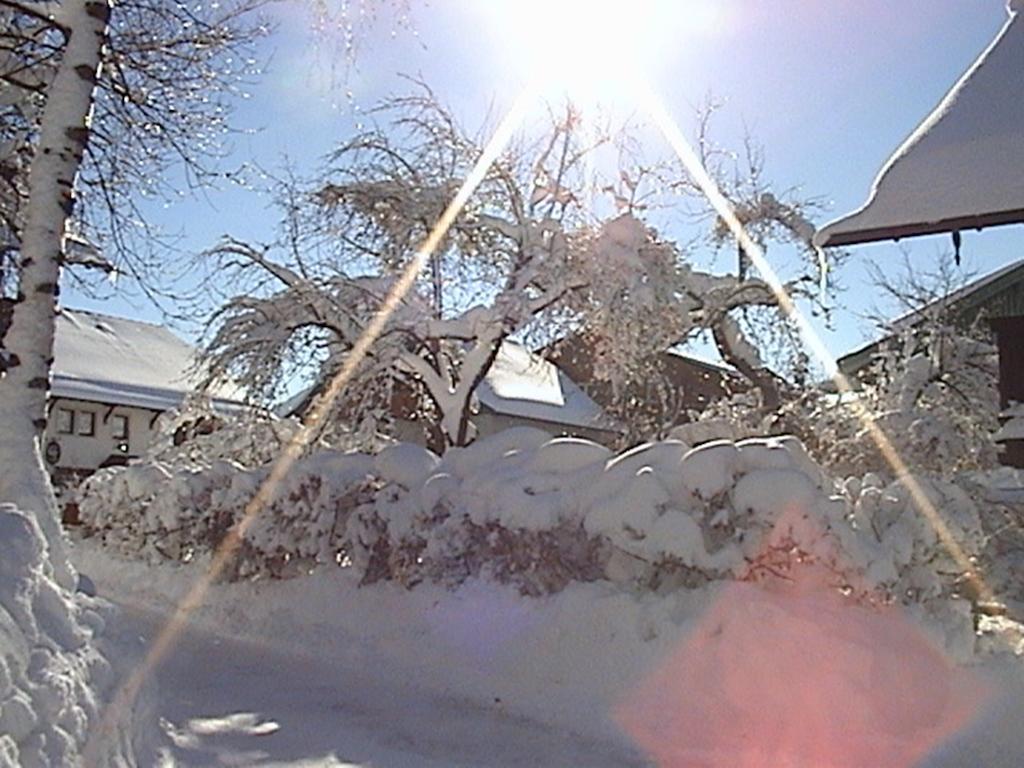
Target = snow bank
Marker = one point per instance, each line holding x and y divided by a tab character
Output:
53	671
609	664
537	513
560	659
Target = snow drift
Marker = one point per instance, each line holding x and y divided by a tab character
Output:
54	675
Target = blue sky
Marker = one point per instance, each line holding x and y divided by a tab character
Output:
829	87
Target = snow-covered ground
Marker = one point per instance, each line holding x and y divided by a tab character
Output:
537	601
316	671
231	702
321	673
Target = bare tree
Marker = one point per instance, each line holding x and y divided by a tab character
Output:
930	383
524	259
937	362
736	310
515	254
772	218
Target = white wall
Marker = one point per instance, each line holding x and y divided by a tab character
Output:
88	452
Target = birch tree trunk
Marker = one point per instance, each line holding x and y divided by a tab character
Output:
63	133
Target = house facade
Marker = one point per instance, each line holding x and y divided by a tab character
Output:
82	435
524	389
112	377
678	386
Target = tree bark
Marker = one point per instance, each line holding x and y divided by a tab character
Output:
476	374
24	389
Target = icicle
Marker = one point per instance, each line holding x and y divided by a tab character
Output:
957	240
822	272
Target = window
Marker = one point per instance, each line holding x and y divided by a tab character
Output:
65	421
119	427
85	421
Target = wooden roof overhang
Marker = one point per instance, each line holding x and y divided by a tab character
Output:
963	167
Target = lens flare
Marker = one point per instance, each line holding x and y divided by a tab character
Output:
670	129
591	50
123	701
792	675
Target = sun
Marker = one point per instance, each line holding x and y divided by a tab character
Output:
588	50
585	46
598	50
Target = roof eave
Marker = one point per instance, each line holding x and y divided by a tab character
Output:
827	239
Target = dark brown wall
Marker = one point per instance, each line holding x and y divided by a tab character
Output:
698	383
1010	339
6	312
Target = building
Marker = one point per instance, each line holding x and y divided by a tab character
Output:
998	300
521	388
996	296
112	377
693	383
960	170
524	389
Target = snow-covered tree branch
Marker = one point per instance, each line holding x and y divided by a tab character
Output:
524	257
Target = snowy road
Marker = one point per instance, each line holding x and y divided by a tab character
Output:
322	673
227	703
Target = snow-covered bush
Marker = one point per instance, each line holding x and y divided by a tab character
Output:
502	508
155	510
54	678
887	513
196	435
934	397
1000	500
525	509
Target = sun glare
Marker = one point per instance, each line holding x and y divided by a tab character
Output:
586	47
597	51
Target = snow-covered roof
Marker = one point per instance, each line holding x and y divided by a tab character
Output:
1011	274
291	404
521	383
704	360
963	168
119	361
